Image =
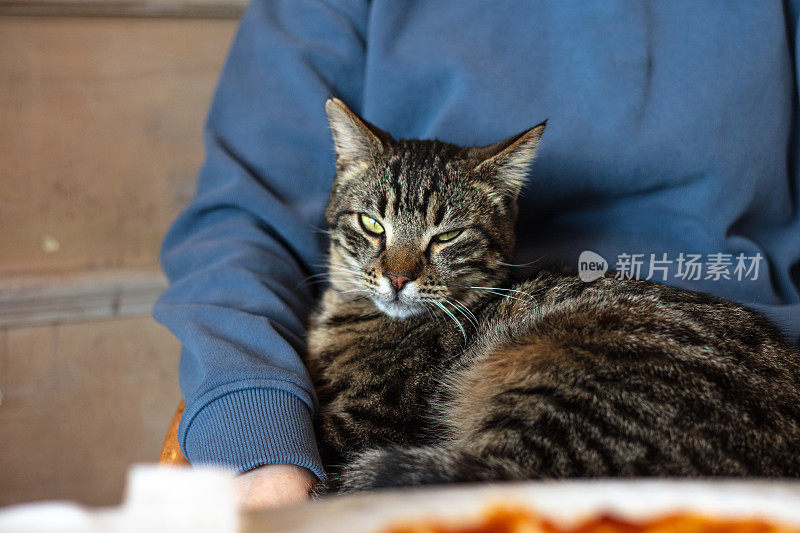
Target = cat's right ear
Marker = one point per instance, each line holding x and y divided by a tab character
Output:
507	161
356	140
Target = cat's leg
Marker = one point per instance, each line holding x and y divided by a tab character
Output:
424	465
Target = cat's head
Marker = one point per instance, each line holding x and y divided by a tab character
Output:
421	224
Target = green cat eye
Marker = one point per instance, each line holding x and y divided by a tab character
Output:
371	225
448	236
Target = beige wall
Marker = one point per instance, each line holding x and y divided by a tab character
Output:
81	401
100	135
100	140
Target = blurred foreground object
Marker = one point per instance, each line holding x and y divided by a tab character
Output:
157	499
565	504
201	499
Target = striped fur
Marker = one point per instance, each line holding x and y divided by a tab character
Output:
462	376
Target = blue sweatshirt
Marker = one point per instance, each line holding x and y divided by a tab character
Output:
672	131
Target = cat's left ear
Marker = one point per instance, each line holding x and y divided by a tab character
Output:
507	161
355	139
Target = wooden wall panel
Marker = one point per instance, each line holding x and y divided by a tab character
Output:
81	402
100	142
100	135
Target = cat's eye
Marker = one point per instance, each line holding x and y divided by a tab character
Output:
448	235
371	225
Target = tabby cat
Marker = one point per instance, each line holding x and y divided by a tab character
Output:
431	367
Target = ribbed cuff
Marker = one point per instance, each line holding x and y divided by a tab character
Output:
248	428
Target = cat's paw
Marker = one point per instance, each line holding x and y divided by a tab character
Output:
426	465
366	471
406	467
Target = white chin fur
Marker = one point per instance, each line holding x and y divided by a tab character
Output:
397	309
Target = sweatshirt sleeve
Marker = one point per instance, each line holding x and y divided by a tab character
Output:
237	256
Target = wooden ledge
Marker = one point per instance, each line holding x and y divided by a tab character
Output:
87	295
197	9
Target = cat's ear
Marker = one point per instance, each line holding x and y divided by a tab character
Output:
356	140
507	161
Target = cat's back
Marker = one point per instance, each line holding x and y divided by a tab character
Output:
691	384
634	316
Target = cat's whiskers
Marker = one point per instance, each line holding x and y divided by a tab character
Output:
451	315
346	275
499	290
312	276
345	278
344	270
461	308
329	280
430	310
342	267
331	268
520	265
330	275
336	268
353	290
509	296
465	308
425	299
316	278
342	275
327	263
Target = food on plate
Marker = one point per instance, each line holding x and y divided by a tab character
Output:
517	520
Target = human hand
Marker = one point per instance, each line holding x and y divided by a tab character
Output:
273	485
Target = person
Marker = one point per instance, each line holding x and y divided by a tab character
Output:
672	139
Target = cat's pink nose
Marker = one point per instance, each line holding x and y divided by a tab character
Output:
398	280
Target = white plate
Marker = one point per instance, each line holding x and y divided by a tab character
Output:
563	502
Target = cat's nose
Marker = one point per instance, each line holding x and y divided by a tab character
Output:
398	280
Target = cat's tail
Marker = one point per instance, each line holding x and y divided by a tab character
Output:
428	465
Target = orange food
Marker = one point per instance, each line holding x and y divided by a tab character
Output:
503	520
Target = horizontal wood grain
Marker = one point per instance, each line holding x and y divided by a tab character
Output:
224	9
76	297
